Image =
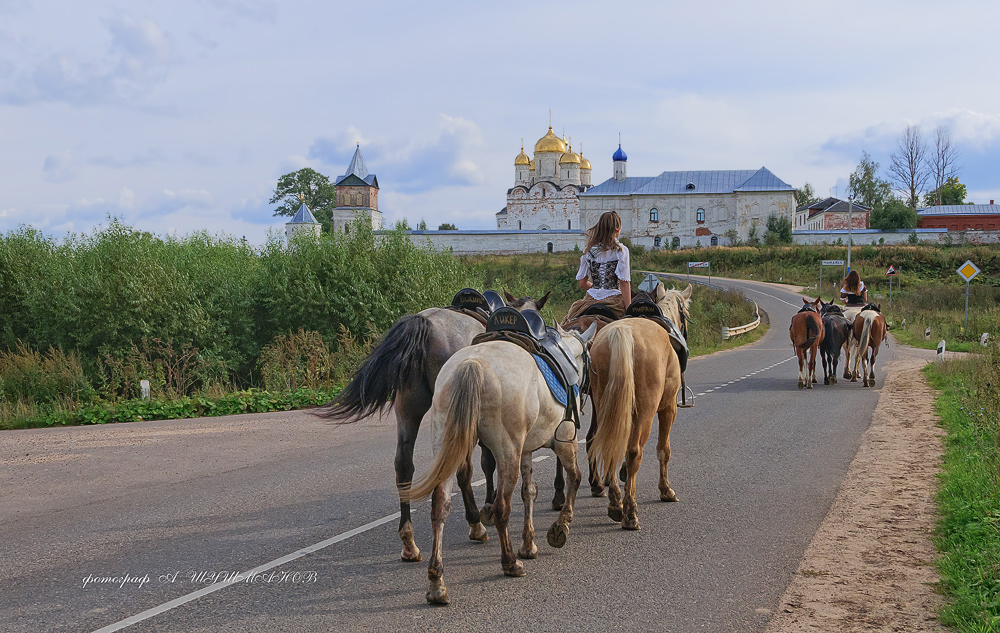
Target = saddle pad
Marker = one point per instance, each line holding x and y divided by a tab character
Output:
558	391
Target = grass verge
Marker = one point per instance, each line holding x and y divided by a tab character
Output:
968	531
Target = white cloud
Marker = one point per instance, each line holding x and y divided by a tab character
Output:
60	167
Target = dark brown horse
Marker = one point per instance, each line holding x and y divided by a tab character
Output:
869	332
836	332
401	372
807	333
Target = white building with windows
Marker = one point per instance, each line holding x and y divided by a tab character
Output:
689	208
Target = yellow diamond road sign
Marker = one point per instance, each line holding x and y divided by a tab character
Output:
968	271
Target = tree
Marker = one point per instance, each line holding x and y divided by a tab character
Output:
779	230
951	192
865	187
446	226
805	196
908	166
943	164
319	194
403	225
894	214
422	225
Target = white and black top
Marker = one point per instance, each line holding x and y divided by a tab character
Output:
606	269
855	299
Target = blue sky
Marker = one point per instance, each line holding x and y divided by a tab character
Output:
181	116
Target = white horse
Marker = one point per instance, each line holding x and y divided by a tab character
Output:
495	393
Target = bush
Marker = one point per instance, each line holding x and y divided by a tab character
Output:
28	377
299	359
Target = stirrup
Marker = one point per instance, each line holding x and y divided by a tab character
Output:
684	403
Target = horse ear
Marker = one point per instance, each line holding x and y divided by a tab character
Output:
806	301
590	333
509	297
541	302
686	293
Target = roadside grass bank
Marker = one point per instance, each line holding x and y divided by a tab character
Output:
968	532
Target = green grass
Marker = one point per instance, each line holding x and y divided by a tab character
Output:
968	532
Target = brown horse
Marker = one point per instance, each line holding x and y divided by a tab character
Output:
807	333
635	373
869	332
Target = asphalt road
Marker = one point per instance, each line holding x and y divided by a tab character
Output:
163	507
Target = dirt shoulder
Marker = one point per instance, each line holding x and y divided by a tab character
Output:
870	566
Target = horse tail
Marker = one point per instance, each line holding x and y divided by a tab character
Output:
461	429
394	361
865	333
617	406
812	333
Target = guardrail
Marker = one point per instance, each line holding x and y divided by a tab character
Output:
727	332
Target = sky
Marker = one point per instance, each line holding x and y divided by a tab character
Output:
180	116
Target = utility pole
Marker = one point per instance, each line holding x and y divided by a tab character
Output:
850	207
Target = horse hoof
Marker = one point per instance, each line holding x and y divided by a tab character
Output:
438	595
616	514
478	533
516	570
530	554
801	385
631	524
486	515
411	555
809	385
557	534
597	490
669	495
557	503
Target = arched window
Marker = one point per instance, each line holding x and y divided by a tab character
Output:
569	225
656	242
715	241
701	215
548	247
654	215
675	243
518	225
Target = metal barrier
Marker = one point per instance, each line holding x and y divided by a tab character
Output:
729	332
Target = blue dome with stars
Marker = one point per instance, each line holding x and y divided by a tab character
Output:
619	155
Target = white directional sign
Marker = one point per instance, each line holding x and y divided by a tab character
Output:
697	264
833	262
968	271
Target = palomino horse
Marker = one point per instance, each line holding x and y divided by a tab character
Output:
635	373
869	332
836	332
682	298
401	372
495	393
807	333
850	346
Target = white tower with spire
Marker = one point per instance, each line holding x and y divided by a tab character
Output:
619	159
303	223
357	196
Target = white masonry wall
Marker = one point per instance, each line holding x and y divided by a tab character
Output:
499	242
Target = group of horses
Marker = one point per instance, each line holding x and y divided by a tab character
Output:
494	394
826	328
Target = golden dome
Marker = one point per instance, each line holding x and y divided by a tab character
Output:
584	163
570	157
550	143
531	165
522	158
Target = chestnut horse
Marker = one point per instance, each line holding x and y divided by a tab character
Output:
807	333
635	373
869	332
400	373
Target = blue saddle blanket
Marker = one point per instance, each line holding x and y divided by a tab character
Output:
558	391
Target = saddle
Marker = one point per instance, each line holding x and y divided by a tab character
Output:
833	309
808	308
477	305
527	330
599	310
871	306
642	307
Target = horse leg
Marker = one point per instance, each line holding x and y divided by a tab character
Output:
437	593
559	498
507	470
489	465
615	512
847	354
560	529
811	375
528	548
666	418
859	355
410	408
800	354
872	366
596	487
642	425
476	530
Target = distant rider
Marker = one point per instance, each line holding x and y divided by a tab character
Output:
605	272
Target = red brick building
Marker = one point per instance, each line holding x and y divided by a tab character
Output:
960	217
831	215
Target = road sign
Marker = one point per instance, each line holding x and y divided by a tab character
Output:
832	262
697	264
891	272
968	271
649	283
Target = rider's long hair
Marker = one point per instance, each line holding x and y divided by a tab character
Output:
852	282
603	233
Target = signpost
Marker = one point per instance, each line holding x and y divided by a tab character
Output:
707	265
892	272
828	262
968	272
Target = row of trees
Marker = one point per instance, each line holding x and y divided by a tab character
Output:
320	195
914	165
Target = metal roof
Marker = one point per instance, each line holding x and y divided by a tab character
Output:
357	166
304	216
684	182
837	206
961	209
